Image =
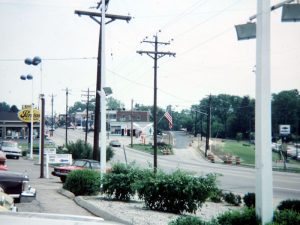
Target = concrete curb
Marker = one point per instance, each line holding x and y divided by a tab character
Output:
98	212
66	193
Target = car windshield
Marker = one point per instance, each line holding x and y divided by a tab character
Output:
79	163
95	165
9	144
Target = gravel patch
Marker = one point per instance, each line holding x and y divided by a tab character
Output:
135	213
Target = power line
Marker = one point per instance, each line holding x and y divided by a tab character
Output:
53	59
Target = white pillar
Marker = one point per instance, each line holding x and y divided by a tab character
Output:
263	153
102	97
31	120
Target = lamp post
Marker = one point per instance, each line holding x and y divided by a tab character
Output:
30	77
38	61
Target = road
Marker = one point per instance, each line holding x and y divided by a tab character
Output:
233	178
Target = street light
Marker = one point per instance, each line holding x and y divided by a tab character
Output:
263	157
30	77
38	61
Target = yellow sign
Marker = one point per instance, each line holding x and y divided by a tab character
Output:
24	115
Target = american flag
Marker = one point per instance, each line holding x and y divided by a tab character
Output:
169	118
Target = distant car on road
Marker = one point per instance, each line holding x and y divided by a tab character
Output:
17	186
80	164
11	149
115	143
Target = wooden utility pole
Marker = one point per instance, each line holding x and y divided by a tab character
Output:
155	55
66	118
131	128
208	126
97	17
88	95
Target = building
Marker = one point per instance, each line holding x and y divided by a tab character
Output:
11	127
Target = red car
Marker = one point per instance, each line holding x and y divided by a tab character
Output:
2	161
80	164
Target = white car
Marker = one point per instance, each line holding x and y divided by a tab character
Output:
11	149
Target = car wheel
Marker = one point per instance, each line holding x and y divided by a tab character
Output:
63	179
17	157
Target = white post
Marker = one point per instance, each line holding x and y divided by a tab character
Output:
40	99
47	166
263	153
102	96
31	125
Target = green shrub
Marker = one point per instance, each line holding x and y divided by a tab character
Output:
83	182
286	217
24	153
188	220
177	192
232	198
80	150
216	196
249	199
239	136
290	205
245	217
120	182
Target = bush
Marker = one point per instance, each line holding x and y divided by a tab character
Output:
232	198
177	192
286	217
83	182
239	136
80	150
188	220
120	182
216	196
290	205
245	217
249	199
24	153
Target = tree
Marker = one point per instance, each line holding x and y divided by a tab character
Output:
14	108
4	107
114	104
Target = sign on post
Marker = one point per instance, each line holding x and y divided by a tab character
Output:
57	158
284	129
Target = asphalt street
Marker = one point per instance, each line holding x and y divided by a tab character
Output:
232	178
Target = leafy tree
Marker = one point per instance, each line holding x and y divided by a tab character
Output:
77	107
14	108
4	107
114	104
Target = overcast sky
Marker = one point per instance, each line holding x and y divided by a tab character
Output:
209	59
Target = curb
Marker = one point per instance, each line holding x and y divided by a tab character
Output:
66	193
98	212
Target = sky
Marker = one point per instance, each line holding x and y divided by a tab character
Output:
209	58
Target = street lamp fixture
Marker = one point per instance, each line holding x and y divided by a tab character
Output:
246	31
30	77
290	13
38	61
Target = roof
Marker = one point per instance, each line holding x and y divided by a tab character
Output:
9	116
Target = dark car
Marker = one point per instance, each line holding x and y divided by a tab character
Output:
80	164
17	186
115	143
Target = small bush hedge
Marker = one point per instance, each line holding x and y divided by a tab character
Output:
245	217
290	205
249	199
188	220
286	217
83	182
177	192
232	198
120	182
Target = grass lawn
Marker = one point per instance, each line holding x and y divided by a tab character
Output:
148	148
245	151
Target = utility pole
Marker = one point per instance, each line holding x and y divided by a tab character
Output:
100	19
52	117
208	126
67	95
195	132
88	95
155	55
42	135
131	129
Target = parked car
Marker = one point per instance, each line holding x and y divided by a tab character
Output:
11	149
80	164
276	147
115	143
17	186
3	165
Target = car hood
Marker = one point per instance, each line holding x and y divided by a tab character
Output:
8	175
68	168
4	148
